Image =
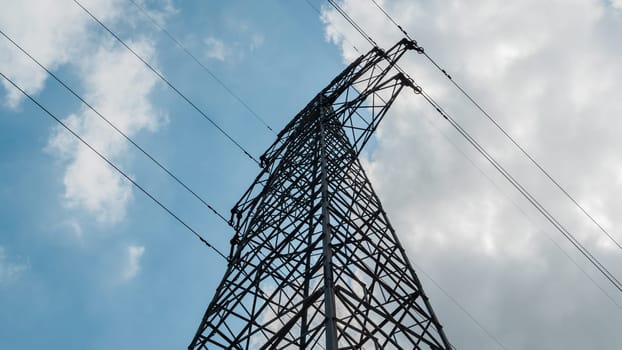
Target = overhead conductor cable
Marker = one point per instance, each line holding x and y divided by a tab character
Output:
534	202
197	61
167	82
110	163
418	90
119	131
504	132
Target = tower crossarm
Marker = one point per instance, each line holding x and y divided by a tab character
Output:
367	71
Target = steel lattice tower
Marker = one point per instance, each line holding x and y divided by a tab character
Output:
315	262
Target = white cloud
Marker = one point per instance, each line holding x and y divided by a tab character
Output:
233	50
110	75
160	12
215	48
113	81
54	35
617	4
548	72
9	270
132	262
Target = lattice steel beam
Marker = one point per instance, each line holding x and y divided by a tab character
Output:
315	262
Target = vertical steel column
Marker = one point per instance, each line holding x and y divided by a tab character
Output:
329	290
304	324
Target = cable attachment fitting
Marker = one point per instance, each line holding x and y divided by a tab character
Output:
237	215
264	161
408	81
412	45
235	240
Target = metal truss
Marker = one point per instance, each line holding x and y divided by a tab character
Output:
315	262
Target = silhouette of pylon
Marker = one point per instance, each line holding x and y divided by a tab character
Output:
315	262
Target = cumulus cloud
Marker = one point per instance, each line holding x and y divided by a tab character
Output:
111	79
110	76
549	73
132	262
54	35
160	13
9	270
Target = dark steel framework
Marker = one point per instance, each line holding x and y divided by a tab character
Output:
314	262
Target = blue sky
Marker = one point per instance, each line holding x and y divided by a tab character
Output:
86	261
73	280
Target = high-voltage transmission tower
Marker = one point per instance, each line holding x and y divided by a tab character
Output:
315	263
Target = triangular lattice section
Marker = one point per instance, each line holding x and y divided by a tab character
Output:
315	262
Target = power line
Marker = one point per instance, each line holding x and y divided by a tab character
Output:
516	184
110	163
364	34
197	61
473	319
418	90
129	139
593	260
353	23
170	85
503	131
462	308
520	210
342	35
391	19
